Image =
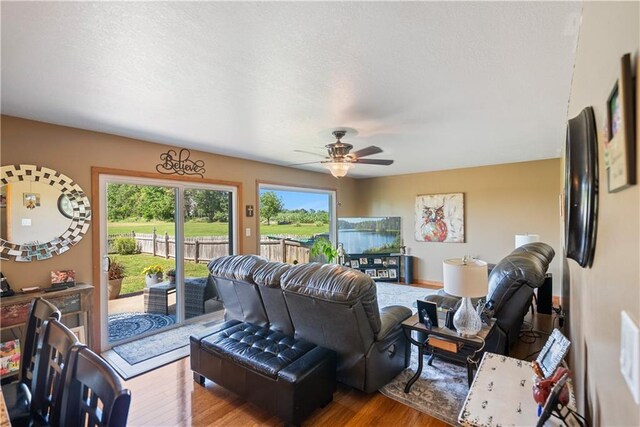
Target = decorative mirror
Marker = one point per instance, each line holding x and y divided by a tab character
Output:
43	213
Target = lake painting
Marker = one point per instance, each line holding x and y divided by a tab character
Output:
370	235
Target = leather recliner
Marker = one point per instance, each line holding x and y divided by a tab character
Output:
337	308
511	285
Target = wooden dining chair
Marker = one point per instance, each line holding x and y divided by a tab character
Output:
54	346
92	394
17	395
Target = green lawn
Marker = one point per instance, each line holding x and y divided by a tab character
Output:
134	264
193	229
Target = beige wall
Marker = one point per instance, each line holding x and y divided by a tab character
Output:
74	152
600	293
499	202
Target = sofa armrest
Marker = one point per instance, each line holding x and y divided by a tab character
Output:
446	302
391	317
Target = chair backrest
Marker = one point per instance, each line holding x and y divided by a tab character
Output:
268	278
337	308
233	276
41	310
54	344
93	394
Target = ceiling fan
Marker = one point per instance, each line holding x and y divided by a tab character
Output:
340	159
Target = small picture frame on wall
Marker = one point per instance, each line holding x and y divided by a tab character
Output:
80	333
377	260
383	274
371	272
355	263
364	261
619	146
392	261
393	274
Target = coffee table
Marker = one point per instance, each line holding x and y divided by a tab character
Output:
466	348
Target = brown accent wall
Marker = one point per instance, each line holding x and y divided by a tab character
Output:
74	152
499	201
600	293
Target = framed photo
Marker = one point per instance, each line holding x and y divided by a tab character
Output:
371	272
3	196
355	263
377	260
80	333
383	274
364	261
440	218
392	261
393	274
31	200
63	277
620	148
554	350
9	357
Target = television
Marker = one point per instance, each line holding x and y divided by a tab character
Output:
370	235
581	188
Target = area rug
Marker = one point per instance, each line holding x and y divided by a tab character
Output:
395	294
440	391
127	325
143	355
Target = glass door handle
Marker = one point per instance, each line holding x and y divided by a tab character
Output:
106	263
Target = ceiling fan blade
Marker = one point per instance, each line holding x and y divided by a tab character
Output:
374	162
367	151
305	163
310	152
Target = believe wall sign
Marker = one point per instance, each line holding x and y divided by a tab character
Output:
174	163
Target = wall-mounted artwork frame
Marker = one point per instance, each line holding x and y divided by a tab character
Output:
440	218
581	188
620	144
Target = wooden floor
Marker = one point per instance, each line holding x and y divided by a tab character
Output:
169	396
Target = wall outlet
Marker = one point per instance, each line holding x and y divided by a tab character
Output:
247	232
630	354
26	222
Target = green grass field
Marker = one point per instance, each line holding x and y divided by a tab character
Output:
134	264
193	229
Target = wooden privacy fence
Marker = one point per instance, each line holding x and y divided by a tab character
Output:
284	250
205	248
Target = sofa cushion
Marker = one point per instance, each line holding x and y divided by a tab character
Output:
258	348
238	267
335	283
541	250
512	272
269	274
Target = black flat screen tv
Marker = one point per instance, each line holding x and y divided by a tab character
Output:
369	235
581	188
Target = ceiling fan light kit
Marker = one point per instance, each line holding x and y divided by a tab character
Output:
338	169
340	159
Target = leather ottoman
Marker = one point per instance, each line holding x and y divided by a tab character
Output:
288	377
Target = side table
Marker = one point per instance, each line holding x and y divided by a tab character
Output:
156	297
465	352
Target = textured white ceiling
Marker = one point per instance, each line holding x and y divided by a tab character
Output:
437	85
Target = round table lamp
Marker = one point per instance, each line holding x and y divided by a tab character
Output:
466	278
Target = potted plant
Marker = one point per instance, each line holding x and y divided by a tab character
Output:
153	274
171	275
116	274
323	246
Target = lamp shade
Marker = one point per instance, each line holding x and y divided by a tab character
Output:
465	278
523	239
338	169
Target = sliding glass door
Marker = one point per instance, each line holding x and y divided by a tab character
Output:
157	237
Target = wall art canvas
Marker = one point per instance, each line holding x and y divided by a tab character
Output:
440	218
